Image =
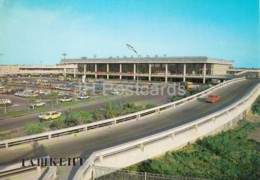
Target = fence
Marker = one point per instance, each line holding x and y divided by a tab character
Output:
106	173
109	122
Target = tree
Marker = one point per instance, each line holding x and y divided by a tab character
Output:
34	127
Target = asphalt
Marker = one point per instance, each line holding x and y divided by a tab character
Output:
85	143
19	122
19	103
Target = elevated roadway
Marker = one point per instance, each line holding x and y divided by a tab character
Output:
84	144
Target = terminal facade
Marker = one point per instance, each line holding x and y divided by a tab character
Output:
165	69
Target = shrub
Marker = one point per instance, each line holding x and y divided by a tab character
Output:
112	110
176	98
78	117
256	106
34	127
58	123
148	106
98	115
229	155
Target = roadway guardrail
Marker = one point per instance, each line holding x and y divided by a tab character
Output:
17	167
109	122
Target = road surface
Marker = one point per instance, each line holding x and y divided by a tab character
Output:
18	122
84	144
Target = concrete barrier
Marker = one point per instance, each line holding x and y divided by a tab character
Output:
18	168
142	149
50	174
109	122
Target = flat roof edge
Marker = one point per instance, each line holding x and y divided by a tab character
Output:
186	59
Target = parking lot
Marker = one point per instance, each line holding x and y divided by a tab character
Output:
30	94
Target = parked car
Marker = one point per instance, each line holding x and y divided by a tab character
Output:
44	92
212	98
49	115
2	90
37	104
11	90
115	92
5	102
65	99
81	97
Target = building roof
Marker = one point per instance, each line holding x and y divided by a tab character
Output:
188	59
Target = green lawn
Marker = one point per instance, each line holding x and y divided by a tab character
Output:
229	155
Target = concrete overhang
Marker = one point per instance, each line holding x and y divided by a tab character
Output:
155	60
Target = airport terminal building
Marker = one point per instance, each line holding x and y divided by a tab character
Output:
167	69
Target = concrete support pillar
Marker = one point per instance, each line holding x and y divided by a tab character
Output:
85	69
141	146
74	71
101	159
196	127
184	72
65	73
172	136
166	73
96	71
84	73
83	78
107	71
134	71
204	73
150	71
120	71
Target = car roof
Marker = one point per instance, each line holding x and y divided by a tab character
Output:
51	112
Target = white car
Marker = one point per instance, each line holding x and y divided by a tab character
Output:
115	92
6	102
37	104
65	99
44	92
81	97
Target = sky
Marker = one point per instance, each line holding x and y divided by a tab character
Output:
35	32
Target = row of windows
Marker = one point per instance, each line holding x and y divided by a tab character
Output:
144	68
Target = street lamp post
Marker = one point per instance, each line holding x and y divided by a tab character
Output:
64	55
137	67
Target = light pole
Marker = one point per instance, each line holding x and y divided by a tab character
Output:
137	67
64	55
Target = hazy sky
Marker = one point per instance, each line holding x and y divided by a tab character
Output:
32	31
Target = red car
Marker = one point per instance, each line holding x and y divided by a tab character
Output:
212	98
